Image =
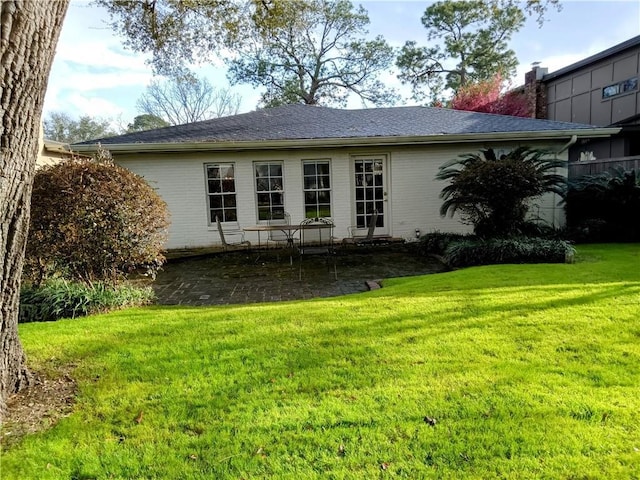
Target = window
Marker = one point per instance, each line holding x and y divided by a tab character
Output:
221	191
630	85
269	190
317	188
621	87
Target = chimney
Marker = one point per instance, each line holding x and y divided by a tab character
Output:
535	91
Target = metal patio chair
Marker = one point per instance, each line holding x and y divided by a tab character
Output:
231	237
281	238
316	239
368	239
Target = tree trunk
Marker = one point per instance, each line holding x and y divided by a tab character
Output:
29	31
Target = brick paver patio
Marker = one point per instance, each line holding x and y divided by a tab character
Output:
245	277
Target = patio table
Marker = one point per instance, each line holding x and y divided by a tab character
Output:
289	230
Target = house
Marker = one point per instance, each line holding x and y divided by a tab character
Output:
600	90
315	161
50	151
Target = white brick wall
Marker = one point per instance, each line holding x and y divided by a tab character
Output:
413	194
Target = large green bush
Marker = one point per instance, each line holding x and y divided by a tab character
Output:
493	193
605	207
93	220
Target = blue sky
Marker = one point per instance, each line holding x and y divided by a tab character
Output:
93	74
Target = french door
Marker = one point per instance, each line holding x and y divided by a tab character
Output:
370	186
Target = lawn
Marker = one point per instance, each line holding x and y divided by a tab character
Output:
510	371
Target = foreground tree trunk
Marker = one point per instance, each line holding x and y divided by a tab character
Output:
29	32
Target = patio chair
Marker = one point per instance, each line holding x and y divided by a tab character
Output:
369	238
316	238
236	234
281	238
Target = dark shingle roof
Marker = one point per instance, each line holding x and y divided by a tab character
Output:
299	122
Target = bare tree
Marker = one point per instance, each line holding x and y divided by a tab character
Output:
187	99
29	33
61	127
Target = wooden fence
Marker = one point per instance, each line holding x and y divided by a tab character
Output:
592	167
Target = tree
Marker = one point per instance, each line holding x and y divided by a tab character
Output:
146	122
61	127
187	99
475	35
28	38
305	51
176	33
474	48
311	52
488	97
493	193
92	220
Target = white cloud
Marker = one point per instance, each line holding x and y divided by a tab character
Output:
91	70
88	82
94	106
579	31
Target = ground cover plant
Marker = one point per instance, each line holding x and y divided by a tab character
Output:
503	371
458	250
508	250
58	298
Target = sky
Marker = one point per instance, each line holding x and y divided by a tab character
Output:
92	73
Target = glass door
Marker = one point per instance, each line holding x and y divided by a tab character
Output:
370	192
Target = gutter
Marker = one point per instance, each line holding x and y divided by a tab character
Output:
350	142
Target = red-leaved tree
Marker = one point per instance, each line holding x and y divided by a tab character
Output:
488	97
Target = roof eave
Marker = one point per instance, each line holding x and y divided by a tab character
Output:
54	146
350	142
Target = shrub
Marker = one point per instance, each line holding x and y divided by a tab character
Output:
469	252
93	220
436	243
493	193
604	207
55	299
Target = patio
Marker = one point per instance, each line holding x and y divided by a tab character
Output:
236	277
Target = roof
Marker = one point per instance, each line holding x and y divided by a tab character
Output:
619	48
305	124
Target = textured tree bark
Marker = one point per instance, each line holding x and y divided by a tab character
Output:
29	31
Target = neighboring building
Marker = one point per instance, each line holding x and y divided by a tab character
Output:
50	151
315	161
601	90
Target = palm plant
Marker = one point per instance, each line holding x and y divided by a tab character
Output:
492	193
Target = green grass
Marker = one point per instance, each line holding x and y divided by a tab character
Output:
531	371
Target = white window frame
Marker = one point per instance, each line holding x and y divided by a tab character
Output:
310	184
229	198
273	189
